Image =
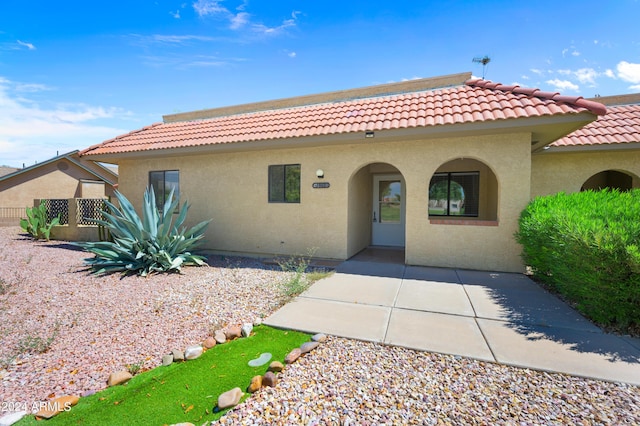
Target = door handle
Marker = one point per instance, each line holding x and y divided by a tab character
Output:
374	217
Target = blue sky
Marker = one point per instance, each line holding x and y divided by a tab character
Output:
75	73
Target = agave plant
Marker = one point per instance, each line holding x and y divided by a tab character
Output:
155	243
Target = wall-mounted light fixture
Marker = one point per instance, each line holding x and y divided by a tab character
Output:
369	134
320	173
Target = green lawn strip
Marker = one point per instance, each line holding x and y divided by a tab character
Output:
182	392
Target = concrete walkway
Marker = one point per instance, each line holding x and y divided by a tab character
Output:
497	317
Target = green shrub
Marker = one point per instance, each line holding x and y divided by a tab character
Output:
586	247
155	243
36	223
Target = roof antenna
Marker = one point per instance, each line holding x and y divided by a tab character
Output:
484	61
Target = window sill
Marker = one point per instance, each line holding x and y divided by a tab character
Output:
468	222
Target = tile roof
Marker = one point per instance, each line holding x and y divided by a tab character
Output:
620	126
471	101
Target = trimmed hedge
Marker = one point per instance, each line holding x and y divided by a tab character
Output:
586	246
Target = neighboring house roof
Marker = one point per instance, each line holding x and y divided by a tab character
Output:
97	170
620	127
4	170
426	103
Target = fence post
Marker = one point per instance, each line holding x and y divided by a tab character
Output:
73	213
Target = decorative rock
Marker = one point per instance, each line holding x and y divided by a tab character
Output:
276	366
257	321
320	337
230	398
12	418
256	384
183	424
209	342
118	378
233	332
220	337
246	329
269	379
88	393
177	355
167	359
261	360
57	406
293	356
308	347
193	352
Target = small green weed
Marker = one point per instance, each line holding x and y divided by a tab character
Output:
135	368
302	276
35	344
4	286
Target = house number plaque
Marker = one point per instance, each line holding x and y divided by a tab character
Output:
321	184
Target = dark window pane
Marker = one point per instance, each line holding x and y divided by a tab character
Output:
162	183
292	194
276	183
156	181
438	199
454	194
284	183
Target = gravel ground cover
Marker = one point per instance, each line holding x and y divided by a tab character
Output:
347	382
97	325
101	324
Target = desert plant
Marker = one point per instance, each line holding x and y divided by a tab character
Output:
37	224
155	243
135	368
302	276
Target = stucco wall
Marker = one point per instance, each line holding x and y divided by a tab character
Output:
568	171
232	189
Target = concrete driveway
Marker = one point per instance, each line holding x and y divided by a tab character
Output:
497	317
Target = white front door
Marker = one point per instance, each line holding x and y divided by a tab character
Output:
387	227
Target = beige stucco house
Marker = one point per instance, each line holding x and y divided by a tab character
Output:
440	167
62	177
604	153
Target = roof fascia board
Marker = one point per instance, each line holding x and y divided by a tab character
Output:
88	170
624	146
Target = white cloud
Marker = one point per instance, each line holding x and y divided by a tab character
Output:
563	85
524	77
586	75
179	39
25	44
583	75
635	87
240	20
609	73
263	29
32	132
629	72
537	71
175	14
209	7
292	54
575	53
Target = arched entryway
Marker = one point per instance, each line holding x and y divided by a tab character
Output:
376	208
611	179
